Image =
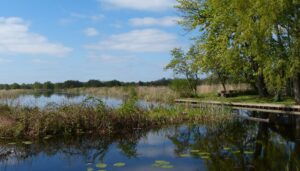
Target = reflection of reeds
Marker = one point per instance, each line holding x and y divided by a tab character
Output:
92	115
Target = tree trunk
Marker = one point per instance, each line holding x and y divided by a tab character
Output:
261	86
289	88
224	86
296	88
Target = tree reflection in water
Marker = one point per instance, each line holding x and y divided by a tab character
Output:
243	145
237	145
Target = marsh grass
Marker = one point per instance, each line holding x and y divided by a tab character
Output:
148	93
93	116
13	94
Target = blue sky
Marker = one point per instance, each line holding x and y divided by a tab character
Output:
58	40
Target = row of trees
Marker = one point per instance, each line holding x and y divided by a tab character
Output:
77	84
253	41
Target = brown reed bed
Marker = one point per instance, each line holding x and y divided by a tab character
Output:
94	116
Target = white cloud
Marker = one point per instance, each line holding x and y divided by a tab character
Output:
15	38
147	40
149	21
148	5
91	32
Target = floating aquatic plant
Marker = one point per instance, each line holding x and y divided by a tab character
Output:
236	152
119	164
226	148
163	164
101	165
203	154
249	152
205	157
195	151
167	166
12	143
90	169
47	137
27	142
184	155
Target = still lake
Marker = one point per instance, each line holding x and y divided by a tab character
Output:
238	145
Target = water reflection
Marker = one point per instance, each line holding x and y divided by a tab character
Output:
238	145
44	98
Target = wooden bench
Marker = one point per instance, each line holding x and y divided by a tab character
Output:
230	93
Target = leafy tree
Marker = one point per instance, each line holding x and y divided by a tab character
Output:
252	40
48	85
186	65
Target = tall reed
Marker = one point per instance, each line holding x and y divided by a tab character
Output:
92	115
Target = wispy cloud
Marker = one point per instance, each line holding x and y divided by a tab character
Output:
91	32
146	40
148	5
149	21
15	38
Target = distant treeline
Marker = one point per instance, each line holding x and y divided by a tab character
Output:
97	83
78	84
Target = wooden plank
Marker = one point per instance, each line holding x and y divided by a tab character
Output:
291	108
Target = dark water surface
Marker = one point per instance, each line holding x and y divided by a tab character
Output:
238	145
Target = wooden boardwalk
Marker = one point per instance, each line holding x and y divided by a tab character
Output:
263	107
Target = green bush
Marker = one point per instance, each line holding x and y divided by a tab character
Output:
181	86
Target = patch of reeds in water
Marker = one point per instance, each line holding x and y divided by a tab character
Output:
92	115
148	93
12	94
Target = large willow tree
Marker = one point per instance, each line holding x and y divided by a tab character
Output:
257	41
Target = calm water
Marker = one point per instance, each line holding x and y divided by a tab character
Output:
238	145
43	99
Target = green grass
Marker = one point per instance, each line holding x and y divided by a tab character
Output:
246	99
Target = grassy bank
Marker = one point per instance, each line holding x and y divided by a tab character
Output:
93	115
246	99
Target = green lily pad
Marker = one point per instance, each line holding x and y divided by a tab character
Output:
184	155
226	148
90	169
236	152
249	152
195	151
47	137
27	142
101	170
204	154
167	166
12	143
162	162
119	164
101	165
205	157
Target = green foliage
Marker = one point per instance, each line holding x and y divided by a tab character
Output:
186	65
254	40
181	86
